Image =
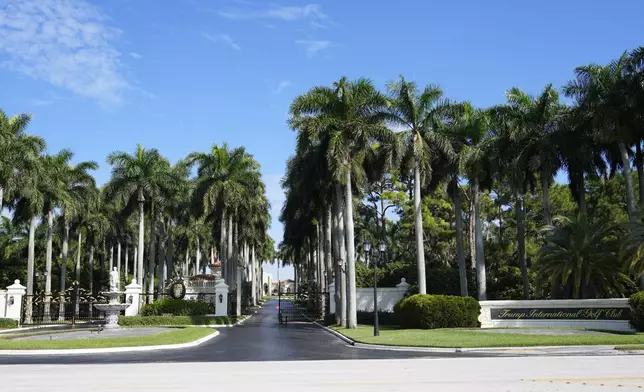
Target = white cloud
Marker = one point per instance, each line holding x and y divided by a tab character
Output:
66	43
223	39
311	12
281	86
313	47
136	55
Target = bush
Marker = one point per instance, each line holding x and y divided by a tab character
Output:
637	310
138	321
425	311
177	307
8	323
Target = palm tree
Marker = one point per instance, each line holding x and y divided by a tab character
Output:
535	121
349	116
581	255
17	152
421	115
142	176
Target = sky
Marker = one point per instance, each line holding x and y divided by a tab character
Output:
181	75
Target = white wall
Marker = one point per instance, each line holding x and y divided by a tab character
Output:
487	321
387	297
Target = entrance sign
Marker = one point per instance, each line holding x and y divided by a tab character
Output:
560	314
609	314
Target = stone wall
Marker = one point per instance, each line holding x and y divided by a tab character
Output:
387	297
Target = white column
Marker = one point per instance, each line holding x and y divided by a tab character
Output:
221	299
3	303
133	297
332	303
14	300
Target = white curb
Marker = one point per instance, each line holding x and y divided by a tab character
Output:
81	351
336	334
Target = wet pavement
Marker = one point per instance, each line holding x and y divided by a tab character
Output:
261	338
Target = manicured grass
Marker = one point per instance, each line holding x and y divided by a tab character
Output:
391	336
183	335
634	347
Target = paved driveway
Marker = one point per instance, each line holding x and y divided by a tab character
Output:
260	339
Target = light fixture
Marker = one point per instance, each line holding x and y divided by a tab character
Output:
382	246
367	246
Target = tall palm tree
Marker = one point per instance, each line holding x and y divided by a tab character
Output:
535	120
420	113
137	178
350	116
17	152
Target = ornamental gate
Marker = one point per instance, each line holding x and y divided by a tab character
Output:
302	307
75	305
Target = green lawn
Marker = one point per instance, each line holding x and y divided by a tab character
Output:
465	339
635	347
183	335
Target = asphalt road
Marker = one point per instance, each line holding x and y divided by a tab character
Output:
542	374
261	338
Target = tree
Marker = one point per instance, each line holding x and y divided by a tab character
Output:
421	116
349	115
581	255
137	178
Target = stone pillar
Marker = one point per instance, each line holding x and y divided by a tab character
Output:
3	303
133	297
402	287
331	295
221	299
15	292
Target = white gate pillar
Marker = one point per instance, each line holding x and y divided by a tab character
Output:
221	299
15	292
133	297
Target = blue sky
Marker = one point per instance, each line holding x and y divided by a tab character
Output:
180	75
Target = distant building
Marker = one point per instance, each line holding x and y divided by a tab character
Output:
287	286
267	283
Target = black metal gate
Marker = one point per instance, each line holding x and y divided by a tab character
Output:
302	307
75	305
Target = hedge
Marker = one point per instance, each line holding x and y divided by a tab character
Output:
137	321
637	310
8	323
177	307
425	311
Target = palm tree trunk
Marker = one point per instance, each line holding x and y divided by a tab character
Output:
118	263
545	185
125	261
460	254
161	260
48	258
102	265
340	281
63	263
328	260
1	198
111	258
135	267
229	251
198	258
352	315
639	164
139	250
78	255
582	195
521	242
480	259
418	231
223	244
170	256
472	235
626	170
152	258
30	268
253	285
91	270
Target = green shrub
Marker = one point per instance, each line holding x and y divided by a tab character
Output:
177	307
8	323
425	311
137	321
637	310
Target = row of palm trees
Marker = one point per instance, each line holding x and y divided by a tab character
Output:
222	210
349	136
